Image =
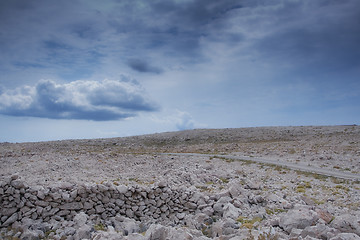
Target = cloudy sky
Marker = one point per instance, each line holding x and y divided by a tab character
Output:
90	69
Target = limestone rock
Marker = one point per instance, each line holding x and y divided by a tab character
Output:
122	189
72	206
320	231
17	184
156	232
346	236
252	185
80	219
32	234
235	189
83	232
347	223
298	218
325	215
230	211
11	220
8	211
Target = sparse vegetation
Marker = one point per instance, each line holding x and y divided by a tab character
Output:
100	227
248	223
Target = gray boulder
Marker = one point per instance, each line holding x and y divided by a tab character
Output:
347	223
320	231
156	232
230	211
298	218
83	232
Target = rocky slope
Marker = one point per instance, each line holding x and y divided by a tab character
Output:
126	188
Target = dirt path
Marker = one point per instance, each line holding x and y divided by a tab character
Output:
294	166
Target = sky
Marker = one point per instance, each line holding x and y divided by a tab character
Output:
97	69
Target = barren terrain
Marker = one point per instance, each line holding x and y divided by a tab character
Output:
220	159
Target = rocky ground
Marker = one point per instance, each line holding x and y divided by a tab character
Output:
236	199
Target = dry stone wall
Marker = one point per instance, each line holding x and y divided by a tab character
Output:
64	200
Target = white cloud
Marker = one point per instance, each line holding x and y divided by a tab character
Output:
89	100
184	121
179	120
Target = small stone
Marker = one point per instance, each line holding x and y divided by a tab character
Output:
73	194
105	199
68	231
32	234
129	213
122	189
156	231
88	205
42	203
346	236
84	232
55	195
102	188
72	206
99	209
17	184
63	212
65	185
190	205
14	177
8	211
80	219
164	208
10	220
180	215
252	186
161	184
230	211
119	202
40	194
324	215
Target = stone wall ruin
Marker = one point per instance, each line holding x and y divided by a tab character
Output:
64	200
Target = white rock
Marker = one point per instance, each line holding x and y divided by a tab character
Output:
230	211
180	215
235	189
80	219
122	189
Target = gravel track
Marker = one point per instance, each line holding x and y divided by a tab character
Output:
294	166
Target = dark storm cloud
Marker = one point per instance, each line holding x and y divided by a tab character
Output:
140	65
194	14
175	28
315	36
63	36
89	100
